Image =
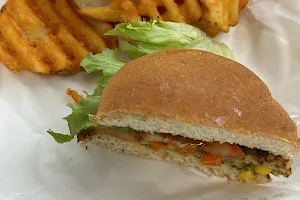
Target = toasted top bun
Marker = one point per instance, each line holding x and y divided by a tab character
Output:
198	95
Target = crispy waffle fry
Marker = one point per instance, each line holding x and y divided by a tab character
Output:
46	37
212	16
102	13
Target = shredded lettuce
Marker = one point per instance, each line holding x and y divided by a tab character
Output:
152	36
145	38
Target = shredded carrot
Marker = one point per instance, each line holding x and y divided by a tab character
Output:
210	159
74	94
158	145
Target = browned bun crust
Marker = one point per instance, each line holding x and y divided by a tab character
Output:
198	87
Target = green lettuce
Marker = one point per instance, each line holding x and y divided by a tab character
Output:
152	36
144	38
109	63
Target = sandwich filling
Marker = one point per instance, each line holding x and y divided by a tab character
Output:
249	162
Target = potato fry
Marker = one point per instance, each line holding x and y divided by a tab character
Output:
102	13
21	47
129	9
208	28
90	38
10	60
72	47
47	37
233	11
149	8
173	13
212	16
242	4
192	9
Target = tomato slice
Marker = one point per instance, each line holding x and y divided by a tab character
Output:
211	159
224	150
183	145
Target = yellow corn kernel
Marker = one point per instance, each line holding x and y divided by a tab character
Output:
247	175
262	170
288	172
165	154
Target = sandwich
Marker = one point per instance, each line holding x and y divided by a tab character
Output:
199	109
185	106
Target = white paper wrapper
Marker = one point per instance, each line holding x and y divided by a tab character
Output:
34	167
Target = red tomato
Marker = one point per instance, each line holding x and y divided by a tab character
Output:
224	150
210	159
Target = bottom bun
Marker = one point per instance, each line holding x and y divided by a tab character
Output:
117	145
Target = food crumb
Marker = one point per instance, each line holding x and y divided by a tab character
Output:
83	145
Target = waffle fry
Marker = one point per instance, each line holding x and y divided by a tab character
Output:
46	37
212	16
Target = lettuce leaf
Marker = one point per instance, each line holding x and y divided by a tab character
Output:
109	63
152	36
145	38
60	138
